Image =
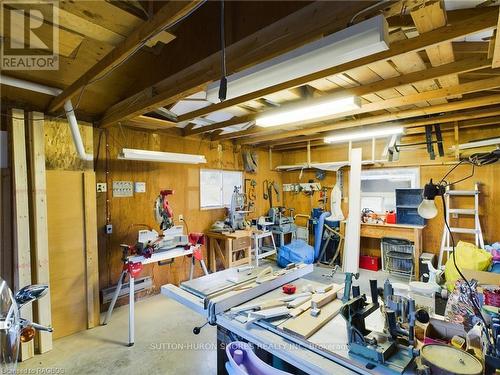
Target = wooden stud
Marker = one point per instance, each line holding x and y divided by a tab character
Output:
39	230
91	266
21	223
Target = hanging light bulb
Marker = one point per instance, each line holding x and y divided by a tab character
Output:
427	208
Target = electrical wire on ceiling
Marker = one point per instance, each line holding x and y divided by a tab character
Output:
223	80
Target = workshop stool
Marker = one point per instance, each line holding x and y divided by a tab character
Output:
258	249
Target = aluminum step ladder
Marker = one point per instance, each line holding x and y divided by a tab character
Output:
476	231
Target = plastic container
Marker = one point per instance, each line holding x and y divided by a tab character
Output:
243	361
369	262
407	201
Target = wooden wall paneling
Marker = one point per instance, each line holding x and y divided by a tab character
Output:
183	178
91	267
39	239
66	229
21	222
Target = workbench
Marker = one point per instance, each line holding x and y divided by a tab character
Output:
411	233
158	256
233	248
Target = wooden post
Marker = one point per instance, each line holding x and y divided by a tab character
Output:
21	222
39	239
91	266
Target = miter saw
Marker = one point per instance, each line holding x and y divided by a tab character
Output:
163	213
171	236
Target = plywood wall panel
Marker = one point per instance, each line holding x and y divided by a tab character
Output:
66	251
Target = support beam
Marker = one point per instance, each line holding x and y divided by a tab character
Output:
410	132
428	18
166	16
21	222
368	120
39	227
245	53
496	47
462	66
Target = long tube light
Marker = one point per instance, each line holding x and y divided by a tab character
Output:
357	41
309	110
364	134
163	157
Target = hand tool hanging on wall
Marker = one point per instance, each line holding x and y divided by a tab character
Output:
249	190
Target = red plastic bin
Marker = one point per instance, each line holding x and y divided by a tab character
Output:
369	262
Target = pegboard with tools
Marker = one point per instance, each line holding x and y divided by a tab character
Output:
302	187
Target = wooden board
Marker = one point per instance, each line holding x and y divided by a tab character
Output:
66	233
91	257
305	325
22	251
39	240
350	262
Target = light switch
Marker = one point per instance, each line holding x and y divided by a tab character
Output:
140	187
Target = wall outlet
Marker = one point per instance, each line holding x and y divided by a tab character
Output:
108	228
181	217
102	187
139	187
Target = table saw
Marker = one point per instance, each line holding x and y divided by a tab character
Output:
321	351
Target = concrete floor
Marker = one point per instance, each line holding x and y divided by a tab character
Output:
164	342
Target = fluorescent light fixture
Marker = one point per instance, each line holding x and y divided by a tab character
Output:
360	40
364	134
163	157
309	110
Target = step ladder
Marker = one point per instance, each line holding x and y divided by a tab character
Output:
446	247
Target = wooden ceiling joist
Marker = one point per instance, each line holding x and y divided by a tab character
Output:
292	31
446	107
463	66
482	117
428	18
401	62
181	84
167	15
470	124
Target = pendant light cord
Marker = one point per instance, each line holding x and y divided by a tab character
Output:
223	80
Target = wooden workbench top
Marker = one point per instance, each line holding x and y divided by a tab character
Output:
408	226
